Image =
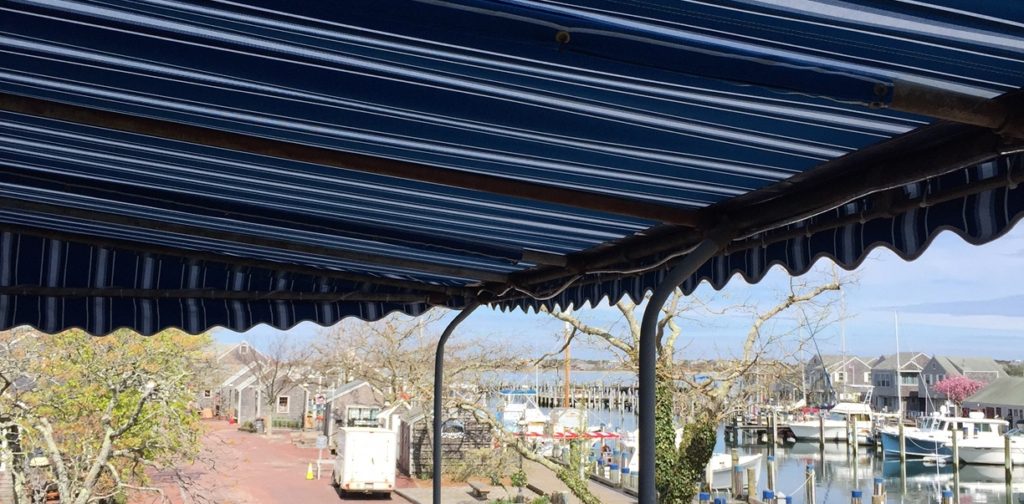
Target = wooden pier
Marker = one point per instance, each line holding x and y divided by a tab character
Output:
614	397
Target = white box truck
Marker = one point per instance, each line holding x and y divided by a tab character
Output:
366	460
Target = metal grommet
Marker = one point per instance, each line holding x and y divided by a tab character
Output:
562	37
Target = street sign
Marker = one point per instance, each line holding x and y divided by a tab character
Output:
320	400
321	442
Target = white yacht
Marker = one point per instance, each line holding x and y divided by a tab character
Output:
933	435
991	449
720	465
520	413
835	424
567	420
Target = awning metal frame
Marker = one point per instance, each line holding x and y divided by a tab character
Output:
438	396
877	172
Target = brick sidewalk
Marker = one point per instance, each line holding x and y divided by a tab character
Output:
244	468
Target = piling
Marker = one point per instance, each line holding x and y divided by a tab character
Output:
903	444
737	473
775	430
1007	458
821	432
856	497
854	444
878	491
771	472
809	484
956	450
850	435
751	483
947	497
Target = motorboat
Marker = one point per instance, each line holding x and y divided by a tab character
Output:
835	424
721	469
720	465
934	435
985	449
519	412
567	420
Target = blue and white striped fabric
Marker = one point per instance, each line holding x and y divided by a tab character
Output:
977	219
680	102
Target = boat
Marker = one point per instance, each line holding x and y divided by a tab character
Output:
567	420
720	465
992	449
836	423
933	437
721	469
520	413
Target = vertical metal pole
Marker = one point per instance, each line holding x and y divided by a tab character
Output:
649	358
439	391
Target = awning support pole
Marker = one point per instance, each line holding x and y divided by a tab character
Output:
1002	115
680	271
438	391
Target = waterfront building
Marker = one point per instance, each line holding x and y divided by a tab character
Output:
892	386
1002	398
983	369
849	376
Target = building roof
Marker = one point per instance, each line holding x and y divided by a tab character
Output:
908	361
203	164
961	365
347	388
1005	390
833	361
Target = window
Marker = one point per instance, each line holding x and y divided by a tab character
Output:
840	376
243	349
867	377
283	404
207	393
883	380
908	379
361	416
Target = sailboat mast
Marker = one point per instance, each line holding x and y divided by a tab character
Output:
842	339
565	391
899	366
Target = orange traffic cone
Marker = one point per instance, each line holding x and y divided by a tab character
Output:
309	471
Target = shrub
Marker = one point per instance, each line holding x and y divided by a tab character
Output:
488	463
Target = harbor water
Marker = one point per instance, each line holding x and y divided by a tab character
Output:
838	472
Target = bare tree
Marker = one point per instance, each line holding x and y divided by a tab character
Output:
396	356
736	378
278	369
806	302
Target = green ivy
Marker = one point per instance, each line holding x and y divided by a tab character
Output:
679	470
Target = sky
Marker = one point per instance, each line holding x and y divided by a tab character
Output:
956	299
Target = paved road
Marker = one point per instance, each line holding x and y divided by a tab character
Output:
243	468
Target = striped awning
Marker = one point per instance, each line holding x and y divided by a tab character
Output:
198	164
